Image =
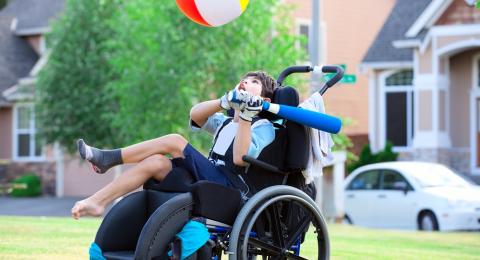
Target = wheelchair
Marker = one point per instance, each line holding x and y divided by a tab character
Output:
272	224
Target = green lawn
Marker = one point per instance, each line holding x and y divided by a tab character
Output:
65	238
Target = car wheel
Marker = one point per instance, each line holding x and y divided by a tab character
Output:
428	222
347	220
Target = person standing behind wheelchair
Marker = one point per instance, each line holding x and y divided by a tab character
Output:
244	134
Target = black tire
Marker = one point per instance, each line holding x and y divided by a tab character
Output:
278	243
427	221
162	226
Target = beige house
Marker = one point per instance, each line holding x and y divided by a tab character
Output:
424	83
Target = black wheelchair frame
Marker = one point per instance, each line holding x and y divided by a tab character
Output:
272	223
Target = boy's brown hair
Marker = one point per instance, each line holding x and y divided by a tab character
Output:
268	82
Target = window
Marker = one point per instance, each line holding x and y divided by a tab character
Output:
303	29
369	180
399	108
26	144
392	180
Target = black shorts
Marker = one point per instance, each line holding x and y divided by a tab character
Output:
200	167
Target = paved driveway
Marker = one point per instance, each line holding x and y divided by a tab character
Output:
41	206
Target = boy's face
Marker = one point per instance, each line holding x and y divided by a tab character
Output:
252	85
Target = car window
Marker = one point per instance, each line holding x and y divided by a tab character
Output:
392	180
369	180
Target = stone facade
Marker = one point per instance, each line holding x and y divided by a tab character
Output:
457	159
46	171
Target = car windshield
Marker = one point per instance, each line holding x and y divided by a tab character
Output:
437	175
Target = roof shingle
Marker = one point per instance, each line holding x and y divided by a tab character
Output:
403	15
32	14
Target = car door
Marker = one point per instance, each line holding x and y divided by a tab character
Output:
396	201
359	195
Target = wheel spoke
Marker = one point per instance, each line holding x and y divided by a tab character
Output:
289	255
297	231
268	248
277	227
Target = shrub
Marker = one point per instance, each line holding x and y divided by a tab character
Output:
367	157
28	185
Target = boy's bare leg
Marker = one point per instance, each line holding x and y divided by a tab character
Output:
172	144
102	160
156	166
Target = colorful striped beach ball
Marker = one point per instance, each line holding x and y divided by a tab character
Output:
212	12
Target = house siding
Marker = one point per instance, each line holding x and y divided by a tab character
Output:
6	133
425	61
35	41
459	13
80	180
443	41
425	110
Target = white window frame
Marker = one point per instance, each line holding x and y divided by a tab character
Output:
32	131
304	22
384	89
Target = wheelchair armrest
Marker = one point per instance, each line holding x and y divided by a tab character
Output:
261	164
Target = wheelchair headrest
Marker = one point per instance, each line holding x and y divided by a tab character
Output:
284	96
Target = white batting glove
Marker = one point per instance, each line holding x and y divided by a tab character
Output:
253	107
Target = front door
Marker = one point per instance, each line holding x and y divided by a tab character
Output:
475	117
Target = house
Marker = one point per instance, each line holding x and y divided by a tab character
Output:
23	24
424	83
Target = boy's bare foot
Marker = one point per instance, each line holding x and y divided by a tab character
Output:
87	207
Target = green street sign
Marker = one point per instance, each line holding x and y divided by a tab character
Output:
346	79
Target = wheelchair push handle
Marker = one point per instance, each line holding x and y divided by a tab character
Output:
336	78
305	69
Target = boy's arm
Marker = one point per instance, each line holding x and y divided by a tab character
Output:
242	142
200	112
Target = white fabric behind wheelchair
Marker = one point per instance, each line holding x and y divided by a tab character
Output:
321	143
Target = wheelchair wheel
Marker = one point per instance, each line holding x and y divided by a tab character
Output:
285	213
162	226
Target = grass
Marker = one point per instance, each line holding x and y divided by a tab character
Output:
65	238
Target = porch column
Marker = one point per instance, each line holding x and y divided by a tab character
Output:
430	102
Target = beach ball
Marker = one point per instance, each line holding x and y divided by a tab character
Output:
212	13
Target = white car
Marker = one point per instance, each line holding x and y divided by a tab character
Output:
411	195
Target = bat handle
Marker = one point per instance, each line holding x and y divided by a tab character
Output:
270	107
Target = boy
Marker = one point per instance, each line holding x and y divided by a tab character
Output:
245	134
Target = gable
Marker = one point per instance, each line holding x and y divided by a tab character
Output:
459	13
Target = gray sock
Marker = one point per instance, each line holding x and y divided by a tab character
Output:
102	160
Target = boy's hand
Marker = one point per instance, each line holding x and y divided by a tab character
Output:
235	99
253	107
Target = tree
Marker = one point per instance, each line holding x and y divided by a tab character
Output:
122	72
72	98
